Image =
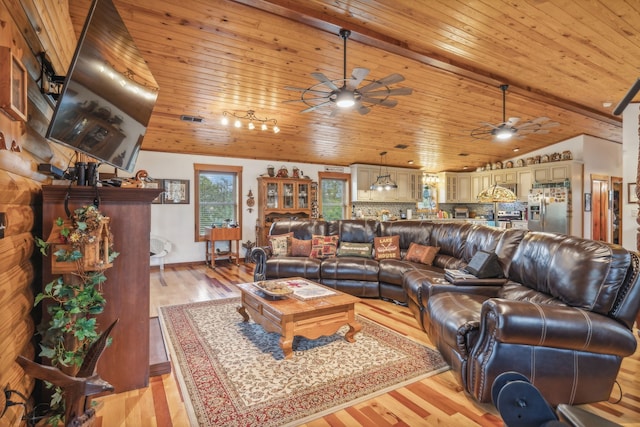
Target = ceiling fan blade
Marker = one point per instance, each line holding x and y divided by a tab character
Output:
384	102
481	132
291	101
306	110
357	75
550	125
385	81
362	109
301	89
513	121
491	125
324	79
390	92
540	120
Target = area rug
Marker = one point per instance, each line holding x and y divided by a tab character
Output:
233	373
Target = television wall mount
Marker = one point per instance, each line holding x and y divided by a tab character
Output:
50	83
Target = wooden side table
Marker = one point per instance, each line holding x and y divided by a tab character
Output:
213	235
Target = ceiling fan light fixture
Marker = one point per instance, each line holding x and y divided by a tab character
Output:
345	99
504	133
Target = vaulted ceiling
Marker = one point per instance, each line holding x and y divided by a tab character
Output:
571	61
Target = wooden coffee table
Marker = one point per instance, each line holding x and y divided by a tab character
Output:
290	316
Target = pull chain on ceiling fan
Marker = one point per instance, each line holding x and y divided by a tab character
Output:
345	93
508	128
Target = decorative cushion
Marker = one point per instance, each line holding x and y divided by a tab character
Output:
355	249
387	247
323	246
281	244
422	254
300	247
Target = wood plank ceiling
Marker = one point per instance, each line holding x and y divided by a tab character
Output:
563	59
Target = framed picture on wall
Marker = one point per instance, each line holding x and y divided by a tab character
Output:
13	85
632	197
176	191
156	184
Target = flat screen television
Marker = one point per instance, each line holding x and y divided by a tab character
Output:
108	93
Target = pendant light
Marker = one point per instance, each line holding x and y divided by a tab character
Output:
383	181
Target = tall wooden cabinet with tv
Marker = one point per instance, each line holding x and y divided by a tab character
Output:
124	364
282	198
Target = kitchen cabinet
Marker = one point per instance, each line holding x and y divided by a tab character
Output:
551	172
281	198
409	183
524	182
464	189
504	176
448	187
479	181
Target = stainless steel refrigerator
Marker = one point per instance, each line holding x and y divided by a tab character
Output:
548	208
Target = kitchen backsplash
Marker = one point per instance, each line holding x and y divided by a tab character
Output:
373	209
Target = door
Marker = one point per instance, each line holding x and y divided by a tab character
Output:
615	197
599	207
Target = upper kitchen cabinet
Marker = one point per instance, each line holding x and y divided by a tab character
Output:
409	183
554	171
480	181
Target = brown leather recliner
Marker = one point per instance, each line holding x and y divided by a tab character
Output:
564	320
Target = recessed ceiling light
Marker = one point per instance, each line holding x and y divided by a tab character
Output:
515	150
607	104
410	162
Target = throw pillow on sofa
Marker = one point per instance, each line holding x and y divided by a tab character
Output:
355	249
421	254
300	247
323	246
387	247
281	244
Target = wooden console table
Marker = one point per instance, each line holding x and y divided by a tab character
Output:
213	235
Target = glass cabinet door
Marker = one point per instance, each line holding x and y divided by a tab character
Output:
272	195
303	195
287	193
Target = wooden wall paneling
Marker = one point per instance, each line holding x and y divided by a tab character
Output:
16	280
17	218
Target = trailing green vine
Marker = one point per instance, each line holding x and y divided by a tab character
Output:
72	300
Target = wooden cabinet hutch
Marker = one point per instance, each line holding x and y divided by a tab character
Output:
125	364
283	198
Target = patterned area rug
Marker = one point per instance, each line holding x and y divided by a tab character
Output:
234	373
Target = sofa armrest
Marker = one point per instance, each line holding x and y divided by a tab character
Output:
527	323
260	255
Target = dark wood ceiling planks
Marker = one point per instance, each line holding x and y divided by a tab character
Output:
562	60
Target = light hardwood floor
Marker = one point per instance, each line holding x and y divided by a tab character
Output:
438	400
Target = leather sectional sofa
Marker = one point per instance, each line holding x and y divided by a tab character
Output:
562	315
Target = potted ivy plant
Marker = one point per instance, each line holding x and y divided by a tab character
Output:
81	249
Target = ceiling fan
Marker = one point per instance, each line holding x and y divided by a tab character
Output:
509	128
345	93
